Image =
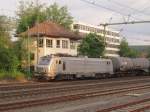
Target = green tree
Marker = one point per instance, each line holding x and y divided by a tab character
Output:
148	53
92	46
29	13
126	51
133	53
59	15
8	59
4	35
20	48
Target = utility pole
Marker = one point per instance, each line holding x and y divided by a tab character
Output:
29	71
38	32
37	42
104	34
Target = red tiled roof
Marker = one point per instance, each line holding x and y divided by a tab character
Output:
51	29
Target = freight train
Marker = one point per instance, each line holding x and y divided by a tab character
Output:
54	67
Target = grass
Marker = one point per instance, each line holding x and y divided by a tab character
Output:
12	75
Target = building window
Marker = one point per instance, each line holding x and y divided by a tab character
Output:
32	56
72	45
84	27
112	40
112	52
88	29
64	44
49	43
57	43
59	62
112	46
76	26
81	27
40	43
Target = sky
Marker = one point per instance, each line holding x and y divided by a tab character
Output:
102	11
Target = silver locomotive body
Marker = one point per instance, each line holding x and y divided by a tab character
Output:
73	67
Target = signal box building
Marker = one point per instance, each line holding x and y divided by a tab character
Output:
52	39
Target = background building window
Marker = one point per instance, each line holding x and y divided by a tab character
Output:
40	43
49	43
64	44
57	43
112	46
112	52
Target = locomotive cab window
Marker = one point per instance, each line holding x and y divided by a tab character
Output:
108	62
44	61
59	62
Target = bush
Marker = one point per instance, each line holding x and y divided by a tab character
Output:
9	75
92	46
8	59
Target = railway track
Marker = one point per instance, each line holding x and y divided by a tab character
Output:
31	85
65	98
66	84
142	109
51	90
132	103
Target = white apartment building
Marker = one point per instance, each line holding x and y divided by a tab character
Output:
112	38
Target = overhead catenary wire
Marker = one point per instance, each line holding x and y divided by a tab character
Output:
129	22
126	6
131	32
92	2
145	8
121	23
137	39
113	11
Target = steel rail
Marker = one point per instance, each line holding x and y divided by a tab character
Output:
113	108
40	85
59	99
141	109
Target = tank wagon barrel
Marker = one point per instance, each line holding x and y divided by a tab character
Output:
121	64
141	64
130	65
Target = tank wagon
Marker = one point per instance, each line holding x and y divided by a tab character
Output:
53	67
141	64
124	65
